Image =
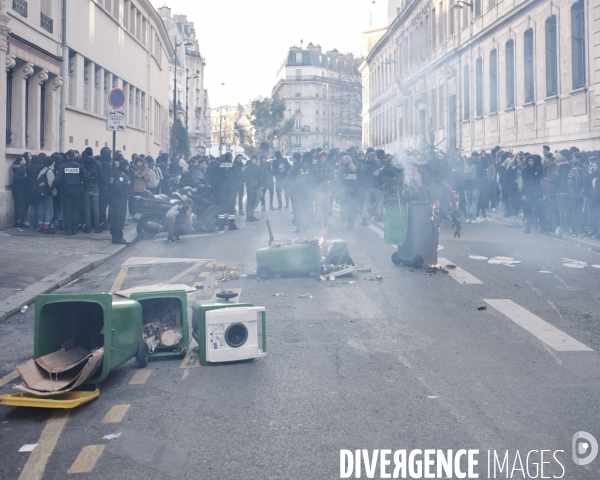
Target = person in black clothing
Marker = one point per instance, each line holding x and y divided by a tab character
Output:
576	181
33	200
252	179
223	179
238	164
19	189
348	179
281	170
92	185
300	177
70	178
532	191
163	162
323	179
371	181
103	199
120	189
266	178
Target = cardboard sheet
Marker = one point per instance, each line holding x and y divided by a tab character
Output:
64	359
161	287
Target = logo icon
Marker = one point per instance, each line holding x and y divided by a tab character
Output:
584	444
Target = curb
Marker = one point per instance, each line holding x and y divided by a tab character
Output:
60	278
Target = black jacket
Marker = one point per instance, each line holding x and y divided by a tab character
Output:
71	174
252	176
266	174
120	188
32	185
348	180
532	182
368	179
94	173
281	168
19	179
105	162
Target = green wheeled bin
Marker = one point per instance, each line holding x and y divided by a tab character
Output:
301	258
164	311
93	320
227	331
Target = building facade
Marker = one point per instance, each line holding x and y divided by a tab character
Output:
111	43
224	121
322	92
467	76
192	98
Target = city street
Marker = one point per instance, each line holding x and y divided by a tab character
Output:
409	362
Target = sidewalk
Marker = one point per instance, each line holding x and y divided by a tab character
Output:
32	263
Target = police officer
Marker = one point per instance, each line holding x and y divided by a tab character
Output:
70	177
348	180
301	179
120	189
224	179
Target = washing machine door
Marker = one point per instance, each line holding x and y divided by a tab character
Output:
232	334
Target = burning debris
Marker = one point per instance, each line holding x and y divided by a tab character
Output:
226	266
229	275
162	323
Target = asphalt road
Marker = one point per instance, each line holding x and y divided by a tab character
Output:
406	363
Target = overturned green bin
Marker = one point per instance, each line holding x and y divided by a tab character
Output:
228	331
95	320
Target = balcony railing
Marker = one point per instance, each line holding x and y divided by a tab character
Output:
192	53
306	128
47	23
298	111
20	6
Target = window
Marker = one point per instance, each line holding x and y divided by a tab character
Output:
578	44
96	88
433	107
528	66
143	110
71	73
298	141
108	5
298	74
298	124
144	29
479	87
298	91
298	57
466	12
551	57
441	104
466	94
477	7
493	81
440	23
510	74
116	8
451	18
86	85
317	112
126	9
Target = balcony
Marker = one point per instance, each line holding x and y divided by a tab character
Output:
298	111
306	128
20	6
47	23
192	54
298	94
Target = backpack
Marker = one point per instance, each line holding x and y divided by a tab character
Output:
92	172
43	187
470	172
573	182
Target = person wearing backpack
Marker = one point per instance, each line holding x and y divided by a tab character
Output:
155	176
19	189
575	183
91	192
471	190
71	177
45	190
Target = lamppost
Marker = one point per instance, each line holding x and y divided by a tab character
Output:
185	43
221	122
187	95
328	116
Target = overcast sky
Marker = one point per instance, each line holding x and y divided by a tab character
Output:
245	41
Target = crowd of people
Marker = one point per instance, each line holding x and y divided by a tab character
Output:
555	191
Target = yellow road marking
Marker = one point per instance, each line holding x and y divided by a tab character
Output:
36	463
189	355
234	300
8	378
116	413
185	272
119	280
140	377
87	458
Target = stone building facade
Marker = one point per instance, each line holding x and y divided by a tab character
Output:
192	97
322	94
472	75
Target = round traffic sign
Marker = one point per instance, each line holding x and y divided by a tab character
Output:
116	98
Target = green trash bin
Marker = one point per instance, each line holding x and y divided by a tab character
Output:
227	331
165	308
94	320
300	258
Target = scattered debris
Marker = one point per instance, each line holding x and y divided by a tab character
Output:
322	278
226	266
435	269
28	448
376	278
546	271
352	282
24	308
364	270
196	349
306	295
450	266
331	278
500	261
477	257
483	307
228	275
199	287
250	275
508	259
111	436
162	323
278	294
440	247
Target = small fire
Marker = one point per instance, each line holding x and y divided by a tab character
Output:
320	240
437	266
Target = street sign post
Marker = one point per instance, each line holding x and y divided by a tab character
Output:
115	114
275	143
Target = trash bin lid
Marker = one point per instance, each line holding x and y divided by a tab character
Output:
64	400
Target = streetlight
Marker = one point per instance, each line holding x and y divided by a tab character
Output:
221	122
328	115
458	6
187	95
185	43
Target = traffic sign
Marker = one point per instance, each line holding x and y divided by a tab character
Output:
115	112
116	98
275	142
228	147
115	124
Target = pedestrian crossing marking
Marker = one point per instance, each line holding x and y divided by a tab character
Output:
116	413
87	458
140	377
547	333
458	274
204	274
36	463
185	272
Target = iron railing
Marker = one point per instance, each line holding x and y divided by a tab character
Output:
20	6
46	23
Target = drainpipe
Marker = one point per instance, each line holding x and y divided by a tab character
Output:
65	78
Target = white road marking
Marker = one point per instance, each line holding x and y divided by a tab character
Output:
547	333
458	274
378	231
